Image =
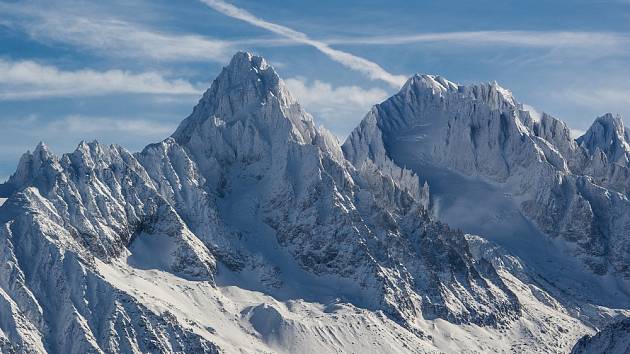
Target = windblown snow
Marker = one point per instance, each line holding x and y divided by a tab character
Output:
453	219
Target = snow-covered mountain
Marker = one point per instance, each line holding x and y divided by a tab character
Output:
479	140
607	136
249	229
613	339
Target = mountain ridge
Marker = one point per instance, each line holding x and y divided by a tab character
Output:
251	208
482	131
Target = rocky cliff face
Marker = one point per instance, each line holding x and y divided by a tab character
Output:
609	137
250	229
612	339
361	224
571	190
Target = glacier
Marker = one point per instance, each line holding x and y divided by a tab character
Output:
450	220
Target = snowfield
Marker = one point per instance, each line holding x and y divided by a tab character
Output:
450	221
238	319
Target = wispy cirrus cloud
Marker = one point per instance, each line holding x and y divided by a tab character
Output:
611	98
123	39
22	80
109	35
115	37
362	65
538	39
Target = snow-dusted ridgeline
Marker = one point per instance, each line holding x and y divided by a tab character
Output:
250	229
572	190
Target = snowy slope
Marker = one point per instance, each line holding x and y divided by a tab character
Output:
249	229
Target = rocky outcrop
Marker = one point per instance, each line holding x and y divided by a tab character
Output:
612	339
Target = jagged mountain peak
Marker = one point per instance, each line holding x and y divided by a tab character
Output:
247	80
608	135
481	130
41	152
493	94
433	82
251	228
610	124
88	145
97	149
32	166
551	129
250	91
42	168
41	148
615	120
246	69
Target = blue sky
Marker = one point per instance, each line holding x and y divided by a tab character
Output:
128	72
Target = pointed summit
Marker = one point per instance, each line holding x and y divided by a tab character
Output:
491	94
41	148
247	73
35	168
435	83
248	91
608	135
245	82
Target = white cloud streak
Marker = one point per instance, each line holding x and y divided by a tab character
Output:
115	37
23	80
541	39
126	40
611	96
362	65
111	36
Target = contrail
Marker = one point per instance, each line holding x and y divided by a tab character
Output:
362	65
